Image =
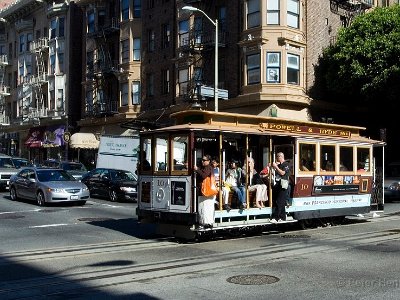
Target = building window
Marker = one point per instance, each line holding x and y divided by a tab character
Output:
53	29
151	40
52	63
166	35
198	30
90	61
253	13
60	62
150	3
125	51
165	81
183	81
60	99
184	33
137	8
273	12
125	9
253	68
61	26
124	94
136	49
150	85
21	43
293	69
198	75
222	18
136	92
89	102
90	22
273	67
293	13
52	95
29	40
101	18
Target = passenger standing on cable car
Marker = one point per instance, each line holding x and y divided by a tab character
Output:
280	189
206	204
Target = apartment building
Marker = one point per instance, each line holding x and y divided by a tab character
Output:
40	81
138	61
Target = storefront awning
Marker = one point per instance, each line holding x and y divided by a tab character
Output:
84	141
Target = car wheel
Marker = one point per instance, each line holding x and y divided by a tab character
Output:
40	199
13	194
113	196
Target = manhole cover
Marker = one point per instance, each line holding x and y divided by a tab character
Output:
94	219
11	216
295	236
253	279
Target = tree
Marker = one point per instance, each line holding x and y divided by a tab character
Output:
362	71
364	64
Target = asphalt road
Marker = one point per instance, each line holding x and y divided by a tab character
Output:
99	251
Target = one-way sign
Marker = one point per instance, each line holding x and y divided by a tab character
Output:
207	91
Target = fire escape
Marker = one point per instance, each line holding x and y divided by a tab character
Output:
4	92
349	9
103	70
196	50
38	82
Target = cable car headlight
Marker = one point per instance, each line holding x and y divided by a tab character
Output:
127	189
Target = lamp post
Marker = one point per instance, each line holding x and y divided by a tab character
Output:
215	23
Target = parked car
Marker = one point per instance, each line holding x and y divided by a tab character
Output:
392	181
76	169
7	169
20	162
112	183
46	185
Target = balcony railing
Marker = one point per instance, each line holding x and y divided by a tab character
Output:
5	90
3	60
39	79
4	120
37	113
39	45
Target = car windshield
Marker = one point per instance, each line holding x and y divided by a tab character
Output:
54	175
6	162
122	175
73	167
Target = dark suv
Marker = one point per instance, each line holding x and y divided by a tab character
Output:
75	169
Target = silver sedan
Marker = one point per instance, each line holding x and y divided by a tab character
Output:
45	185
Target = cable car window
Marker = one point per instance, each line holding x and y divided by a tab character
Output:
180	152
363	163
307	156
161	150
145	155
328	157
346	158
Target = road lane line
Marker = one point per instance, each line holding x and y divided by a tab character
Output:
49	225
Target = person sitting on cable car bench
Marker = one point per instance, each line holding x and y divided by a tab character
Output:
233	182
280	189
257	184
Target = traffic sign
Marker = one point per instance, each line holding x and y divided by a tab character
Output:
207	91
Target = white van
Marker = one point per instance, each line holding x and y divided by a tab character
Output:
7	169
118	152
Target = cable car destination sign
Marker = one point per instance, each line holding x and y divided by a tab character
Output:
305	129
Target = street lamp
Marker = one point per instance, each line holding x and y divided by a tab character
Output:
215	23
